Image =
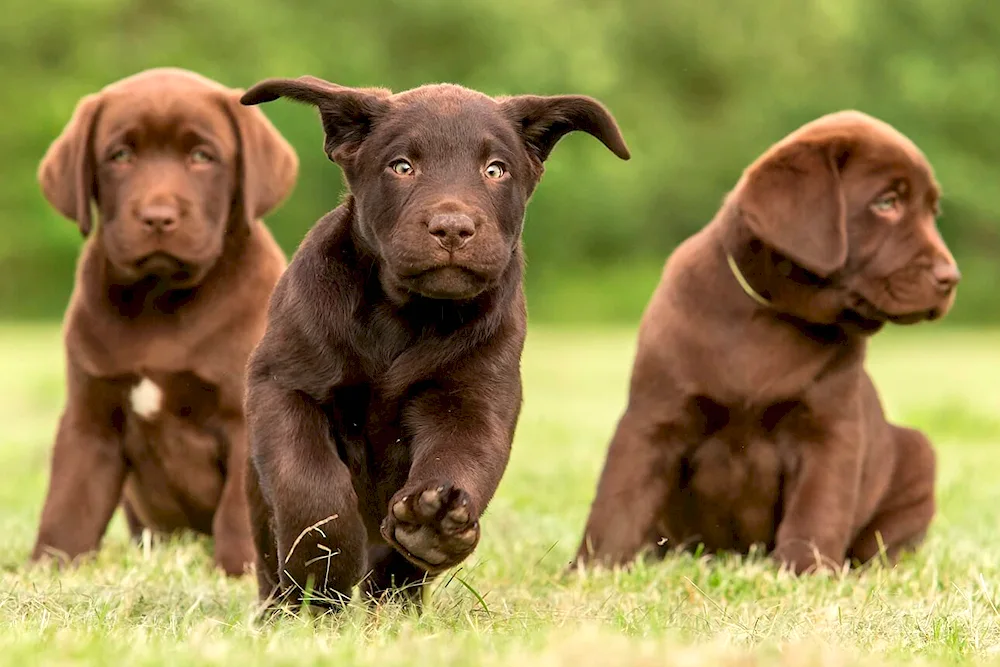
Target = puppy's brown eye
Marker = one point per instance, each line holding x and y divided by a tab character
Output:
201	156
887	203
402	167
123	155
495	170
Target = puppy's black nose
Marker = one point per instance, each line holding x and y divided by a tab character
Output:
159	217
946	275
452	230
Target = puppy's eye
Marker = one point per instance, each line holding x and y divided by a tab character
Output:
495	170
402	167
887	203
201	156
122	155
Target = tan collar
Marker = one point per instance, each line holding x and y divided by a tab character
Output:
751	292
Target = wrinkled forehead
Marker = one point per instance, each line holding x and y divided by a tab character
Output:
165	113
445	121
874	149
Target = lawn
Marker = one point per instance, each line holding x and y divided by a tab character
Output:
511	603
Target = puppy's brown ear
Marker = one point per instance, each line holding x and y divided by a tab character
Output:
793	201
66	172
542	121
347	114
269	166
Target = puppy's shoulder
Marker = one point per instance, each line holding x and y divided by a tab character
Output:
316	255
322	275
327	246
310	312
685	277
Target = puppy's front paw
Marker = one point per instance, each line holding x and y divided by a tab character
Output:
235	558
433	525
801	557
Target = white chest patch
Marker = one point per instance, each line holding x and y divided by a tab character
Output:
146	399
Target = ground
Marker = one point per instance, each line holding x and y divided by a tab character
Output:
511	603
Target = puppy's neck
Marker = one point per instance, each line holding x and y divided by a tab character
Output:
155	295
150	294
770	281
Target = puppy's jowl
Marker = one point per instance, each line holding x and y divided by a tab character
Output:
750	418
383	397
170	298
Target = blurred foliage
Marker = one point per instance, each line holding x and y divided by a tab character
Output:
699	88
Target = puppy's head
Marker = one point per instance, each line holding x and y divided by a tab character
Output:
173	163
441	175
854	202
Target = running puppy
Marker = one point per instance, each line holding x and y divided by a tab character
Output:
383	397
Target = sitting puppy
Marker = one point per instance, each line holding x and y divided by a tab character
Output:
170	298
750	418
383	397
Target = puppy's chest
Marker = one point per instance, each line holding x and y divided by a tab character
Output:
173	434
360	412
763	364
174	441
120	348
734	472
153	397
369	434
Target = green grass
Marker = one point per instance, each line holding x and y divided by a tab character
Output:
163	603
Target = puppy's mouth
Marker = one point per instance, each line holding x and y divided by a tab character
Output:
866	315
450	282
166	267
913	318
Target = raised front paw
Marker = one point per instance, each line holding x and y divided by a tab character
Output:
433	525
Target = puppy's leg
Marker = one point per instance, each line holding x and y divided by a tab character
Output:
135	526
88	471
234	550
265	543
460	445
816	527
902	519
321	540
392	576
641	465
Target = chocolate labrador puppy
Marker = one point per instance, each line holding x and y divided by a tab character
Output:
383	397
170	298
750	418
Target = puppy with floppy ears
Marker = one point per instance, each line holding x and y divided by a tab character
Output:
170	298
751	419
383	397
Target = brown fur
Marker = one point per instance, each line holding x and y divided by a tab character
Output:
383	397
757	424
172	287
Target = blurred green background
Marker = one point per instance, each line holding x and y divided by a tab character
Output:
699	88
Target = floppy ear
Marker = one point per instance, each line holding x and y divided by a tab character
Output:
793	201
66	173
269	165
543	121
347	113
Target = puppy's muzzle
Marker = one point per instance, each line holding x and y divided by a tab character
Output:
165	266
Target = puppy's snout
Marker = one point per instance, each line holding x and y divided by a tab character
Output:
159	217
946	276
452	230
